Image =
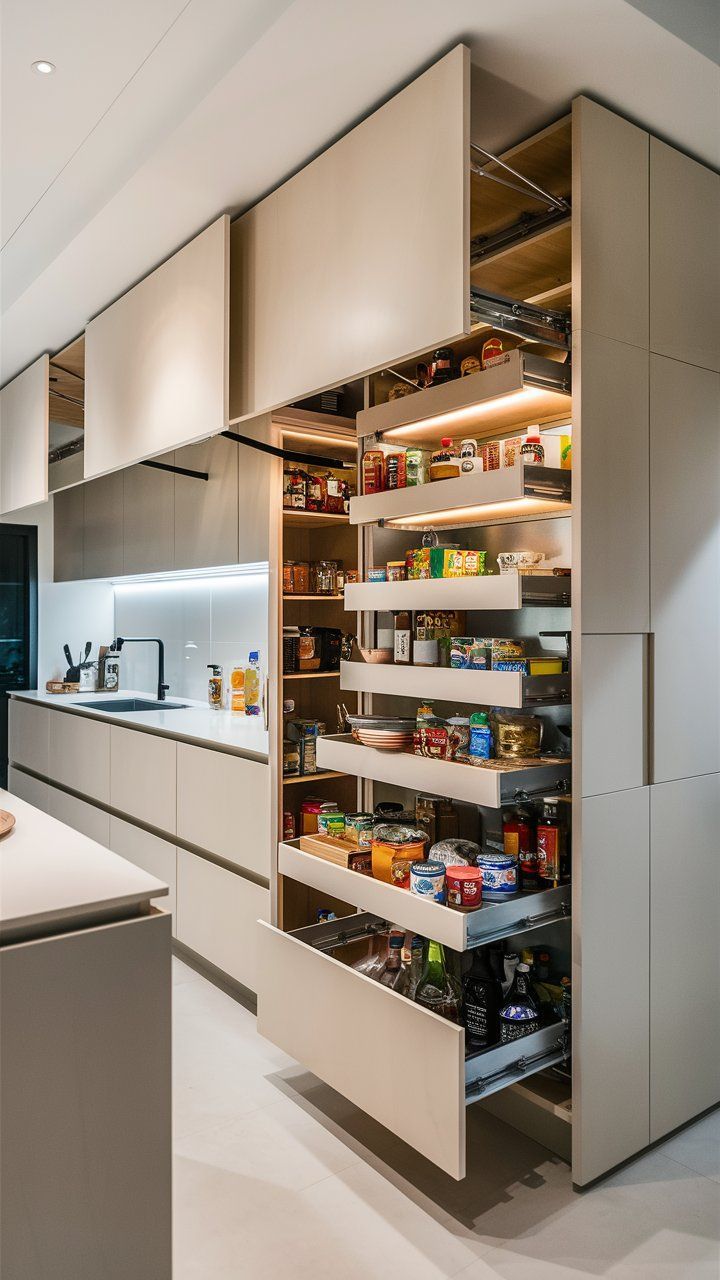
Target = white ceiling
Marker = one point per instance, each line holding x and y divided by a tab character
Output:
164	113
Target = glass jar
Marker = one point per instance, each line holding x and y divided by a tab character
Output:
325	575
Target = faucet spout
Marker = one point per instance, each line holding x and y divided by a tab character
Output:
161	686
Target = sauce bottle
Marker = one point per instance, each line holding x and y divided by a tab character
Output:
402	637
550	843
215	687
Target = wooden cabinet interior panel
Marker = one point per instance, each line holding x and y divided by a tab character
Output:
363	256
156	360
610	448
684	257
610	225
103	526
24	438
685	951
685	567
611	945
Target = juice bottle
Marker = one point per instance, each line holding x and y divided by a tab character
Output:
252	684
237	689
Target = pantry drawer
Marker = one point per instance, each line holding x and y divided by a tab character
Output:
351	1032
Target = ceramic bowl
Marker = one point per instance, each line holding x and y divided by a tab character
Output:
377	655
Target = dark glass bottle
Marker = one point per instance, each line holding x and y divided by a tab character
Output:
442	369
436	989
482	997
519	1013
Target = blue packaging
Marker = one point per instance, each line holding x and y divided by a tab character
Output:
480	739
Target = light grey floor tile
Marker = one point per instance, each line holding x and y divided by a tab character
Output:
182	972
698	1146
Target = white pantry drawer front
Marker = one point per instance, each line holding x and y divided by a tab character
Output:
80	754
28	788
152	854
78	814
349	1031
28	734
217	914
142	777
223	805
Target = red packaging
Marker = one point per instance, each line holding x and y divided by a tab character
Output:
490	454
464	887
288	825
373	471
395	470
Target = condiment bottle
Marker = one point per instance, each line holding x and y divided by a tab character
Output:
519	1013
442	365
402	637
551	843
482	997
215	687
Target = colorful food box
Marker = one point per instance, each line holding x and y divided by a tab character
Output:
469	653
446	562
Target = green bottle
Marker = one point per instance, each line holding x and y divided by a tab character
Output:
435	990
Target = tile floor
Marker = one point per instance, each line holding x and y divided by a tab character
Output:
278	1176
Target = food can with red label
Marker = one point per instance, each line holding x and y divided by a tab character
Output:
464	887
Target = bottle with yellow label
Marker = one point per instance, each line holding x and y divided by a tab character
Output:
237	690
252	684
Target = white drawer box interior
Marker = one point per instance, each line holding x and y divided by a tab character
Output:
348	1030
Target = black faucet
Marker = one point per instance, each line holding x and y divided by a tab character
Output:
121	640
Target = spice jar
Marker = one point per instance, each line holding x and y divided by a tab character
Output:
325	578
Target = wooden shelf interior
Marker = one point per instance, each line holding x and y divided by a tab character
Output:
67	387
310	519
545	158
313	777
311	675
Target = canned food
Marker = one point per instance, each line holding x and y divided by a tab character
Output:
358	829
499	874
396	571
427	879
331	824
464	887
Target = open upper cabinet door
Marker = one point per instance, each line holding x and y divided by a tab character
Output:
156	360
24	438
362	258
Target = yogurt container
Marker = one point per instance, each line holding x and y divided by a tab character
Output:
499	875
427	879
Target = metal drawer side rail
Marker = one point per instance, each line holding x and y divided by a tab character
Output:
496	1068
533	323
503	919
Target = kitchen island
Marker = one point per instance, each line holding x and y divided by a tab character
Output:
84	1058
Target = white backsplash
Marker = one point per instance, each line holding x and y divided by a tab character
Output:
200	620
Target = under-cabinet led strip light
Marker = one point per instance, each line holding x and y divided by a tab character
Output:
179	577
456	417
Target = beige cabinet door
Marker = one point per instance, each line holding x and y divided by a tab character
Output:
28	788
143	776
103	527
685	951
69	534
81	816
224	806
684	258
363	256
206	511
29	735
217	914
156	856
156	360
80	754
149	518
24	438
611	982
613	718
685	567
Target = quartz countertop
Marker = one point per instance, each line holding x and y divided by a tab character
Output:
53	879
193	721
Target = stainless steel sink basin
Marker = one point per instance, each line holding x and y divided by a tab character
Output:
123	705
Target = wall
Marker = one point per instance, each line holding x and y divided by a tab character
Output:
200	620
71	613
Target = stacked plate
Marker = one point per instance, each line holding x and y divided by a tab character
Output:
385	733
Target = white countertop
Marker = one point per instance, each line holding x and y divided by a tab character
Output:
194	722
53	878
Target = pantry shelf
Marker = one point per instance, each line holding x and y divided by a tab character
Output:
312	675
492	784
525	390
312	519
321	776
458	930
488	591
290	597
509	493
482	688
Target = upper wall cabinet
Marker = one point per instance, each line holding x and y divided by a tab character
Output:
66	398
156	360
684	258
363	256
24	438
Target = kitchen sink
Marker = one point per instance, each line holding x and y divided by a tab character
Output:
122	705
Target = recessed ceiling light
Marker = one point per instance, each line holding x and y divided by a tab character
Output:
43	68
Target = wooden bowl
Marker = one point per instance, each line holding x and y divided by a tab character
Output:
377	655
7	822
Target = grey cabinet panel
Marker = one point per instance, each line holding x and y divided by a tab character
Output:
103	543
610	224
685	951
685	567
611	527
256	492
611	982
69	533
684	258
206	512
149	518
613	718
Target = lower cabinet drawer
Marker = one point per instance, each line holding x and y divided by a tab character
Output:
150	853
350	1031
78	814
28	788
217	913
